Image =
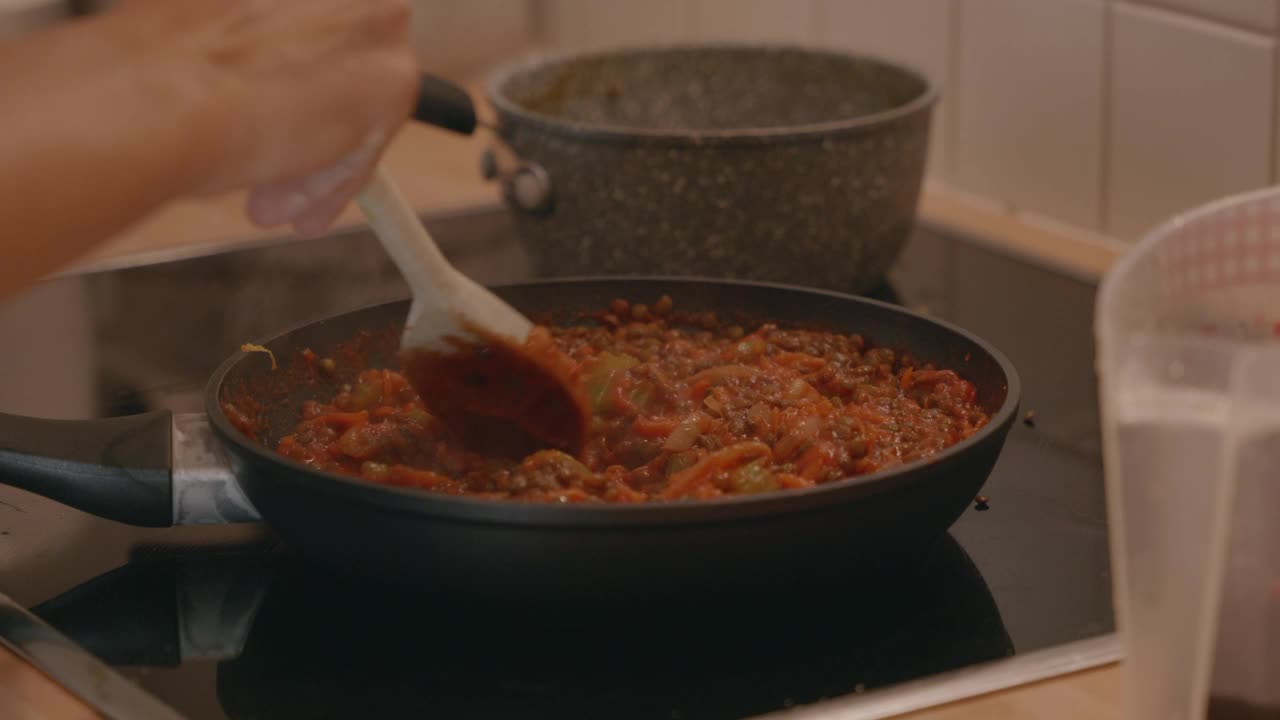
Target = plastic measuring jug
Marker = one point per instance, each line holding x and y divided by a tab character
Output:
1188	331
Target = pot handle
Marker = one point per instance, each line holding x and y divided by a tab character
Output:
117	468
445	105
526	186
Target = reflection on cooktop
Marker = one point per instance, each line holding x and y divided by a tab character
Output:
298	643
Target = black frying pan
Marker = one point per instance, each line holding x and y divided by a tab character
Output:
121	469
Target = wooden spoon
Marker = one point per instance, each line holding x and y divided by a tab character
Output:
478	363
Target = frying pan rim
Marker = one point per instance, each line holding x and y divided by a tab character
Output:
422	502
496	86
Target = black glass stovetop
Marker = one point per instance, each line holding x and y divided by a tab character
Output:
220	622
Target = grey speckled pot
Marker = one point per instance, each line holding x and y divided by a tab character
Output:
767	163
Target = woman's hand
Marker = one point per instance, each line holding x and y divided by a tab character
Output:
308	92
103	120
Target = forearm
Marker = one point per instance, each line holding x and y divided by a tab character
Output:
97	129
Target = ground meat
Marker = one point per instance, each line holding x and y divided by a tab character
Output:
684	406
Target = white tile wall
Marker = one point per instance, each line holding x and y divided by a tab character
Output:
594	23
1191	115
449	34
761	20
1027	105
913	32
1253	14
910	31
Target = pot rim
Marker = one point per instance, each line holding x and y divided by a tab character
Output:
496	84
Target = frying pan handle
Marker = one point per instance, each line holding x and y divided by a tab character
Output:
116	468
445	105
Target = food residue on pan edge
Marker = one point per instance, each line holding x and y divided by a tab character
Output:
254	347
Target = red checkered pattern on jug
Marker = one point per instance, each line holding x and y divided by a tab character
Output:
1236	246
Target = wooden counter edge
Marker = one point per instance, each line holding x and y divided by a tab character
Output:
1096	694
1071	249
26	693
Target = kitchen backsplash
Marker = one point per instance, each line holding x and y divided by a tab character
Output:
1103	115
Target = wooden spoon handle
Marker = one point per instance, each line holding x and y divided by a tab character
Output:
424	267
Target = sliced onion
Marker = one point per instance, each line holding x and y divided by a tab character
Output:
761	417
798	390
687	432
750	346
723	373
802	434
715	406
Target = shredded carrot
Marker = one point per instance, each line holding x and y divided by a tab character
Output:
791	482
685	482
815	461
622	405
804	362
655	427
426	479
344	420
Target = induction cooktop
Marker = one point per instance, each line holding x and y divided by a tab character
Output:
223	622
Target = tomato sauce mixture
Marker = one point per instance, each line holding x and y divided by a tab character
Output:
683	407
